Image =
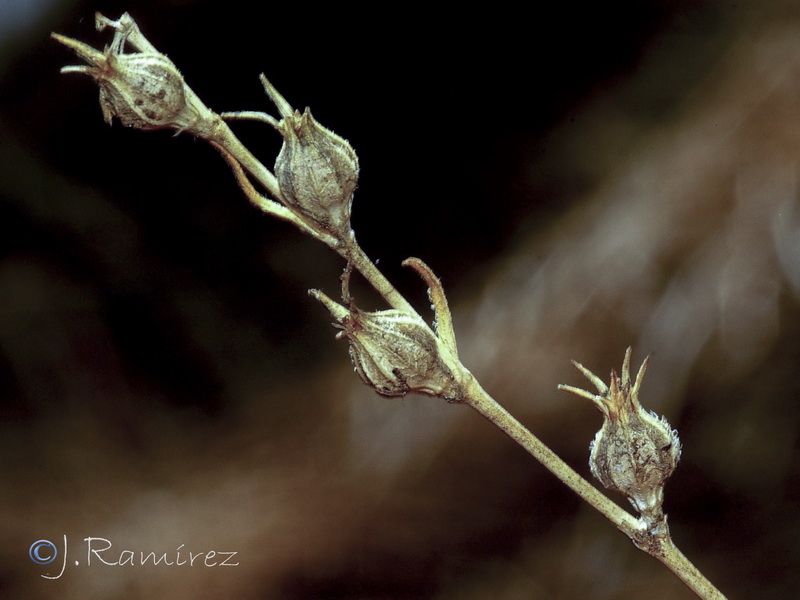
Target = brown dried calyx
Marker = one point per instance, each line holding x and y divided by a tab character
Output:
316	169
635	451
143	89
395	352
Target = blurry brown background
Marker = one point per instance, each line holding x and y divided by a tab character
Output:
603	175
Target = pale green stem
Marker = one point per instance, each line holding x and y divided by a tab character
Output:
476	396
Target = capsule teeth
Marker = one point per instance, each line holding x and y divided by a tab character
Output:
338	311
602	388
613	390
640	377
626	368
84	51
284	108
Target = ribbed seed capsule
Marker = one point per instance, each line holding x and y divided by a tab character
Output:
144	89
635	451
394	352
317	172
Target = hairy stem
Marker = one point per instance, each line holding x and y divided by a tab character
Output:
356	256
476	397
223	136
685	570
489	408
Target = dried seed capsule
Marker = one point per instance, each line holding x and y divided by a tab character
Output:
144	89
317	172
635	452
394	352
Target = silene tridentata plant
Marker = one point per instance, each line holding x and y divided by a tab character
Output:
395	351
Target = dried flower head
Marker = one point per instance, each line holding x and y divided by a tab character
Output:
635	451
394	351
316	170
142	89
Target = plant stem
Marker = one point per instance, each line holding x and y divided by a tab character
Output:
221	134
683	568
196	118
355	255
489	408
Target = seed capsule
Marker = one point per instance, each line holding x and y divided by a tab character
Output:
317	172
143	89
635	452
145	92
394	352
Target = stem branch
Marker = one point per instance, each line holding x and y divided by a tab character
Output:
355	255
223	136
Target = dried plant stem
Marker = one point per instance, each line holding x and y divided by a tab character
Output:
685	570
395	351
224	137
489	408
356	256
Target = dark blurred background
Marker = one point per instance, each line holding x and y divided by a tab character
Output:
166	380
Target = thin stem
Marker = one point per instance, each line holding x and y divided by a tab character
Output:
477	397
262	202
355	255
683	568
488	407
223	136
